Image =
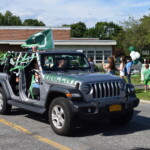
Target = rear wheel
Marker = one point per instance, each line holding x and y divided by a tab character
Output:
61	116
123	119
4	107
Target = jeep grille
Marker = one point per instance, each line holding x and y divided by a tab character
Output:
105	89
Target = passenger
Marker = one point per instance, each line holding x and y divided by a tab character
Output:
46	61
36	86
36	66
35	81
110	67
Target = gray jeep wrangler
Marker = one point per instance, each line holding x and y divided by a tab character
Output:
66	91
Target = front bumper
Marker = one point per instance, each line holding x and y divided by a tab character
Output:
102	108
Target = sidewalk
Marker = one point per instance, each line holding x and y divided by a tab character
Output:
144	101
139	86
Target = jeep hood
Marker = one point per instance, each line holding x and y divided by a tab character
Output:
72	79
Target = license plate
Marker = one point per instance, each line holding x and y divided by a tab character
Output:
114	108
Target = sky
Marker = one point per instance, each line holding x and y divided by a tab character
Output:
55	13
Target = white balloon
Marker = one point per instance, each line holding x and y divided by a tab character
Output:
132	53
137	54
133	57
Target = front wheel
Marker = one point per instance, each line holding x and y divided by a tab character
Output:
61	116
4	107
123	119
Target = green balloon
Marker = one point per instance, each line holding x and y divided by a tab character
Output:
135	62
131	48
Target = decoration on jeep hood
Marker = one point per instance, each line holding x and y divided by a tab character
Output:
61	79
42	40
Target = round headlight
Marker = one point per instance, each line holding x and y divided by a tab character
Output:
121	85
130	89
86	88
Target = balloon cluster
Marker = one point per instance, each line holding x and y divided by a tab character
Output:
135	56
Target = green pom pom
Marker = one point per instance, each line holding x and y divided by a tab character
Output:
135	62
131	48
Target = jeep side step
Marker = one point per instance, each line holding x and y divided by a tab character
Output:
39	110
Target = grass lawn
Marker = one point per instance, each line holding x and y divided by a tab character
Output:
136	79
141	94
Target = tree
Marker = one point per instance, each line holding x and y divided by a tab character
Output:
145	27
78	29
90	33
106	30
132	35
66	25
33	22
1	19
9	19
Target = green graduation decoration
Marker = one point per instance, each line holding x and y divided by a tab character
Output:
42	40
3	58
131	48
135	62
24	62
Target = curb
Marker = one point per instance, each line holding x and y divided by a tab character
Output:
144	101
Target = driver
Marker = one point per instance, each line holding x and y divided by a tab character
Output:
62	63
36	85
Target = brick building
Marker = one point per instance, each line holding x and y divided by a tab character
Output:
11	37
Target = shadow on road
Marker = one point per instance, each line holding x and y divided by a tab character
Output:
102	127
140	148
105	128
31	115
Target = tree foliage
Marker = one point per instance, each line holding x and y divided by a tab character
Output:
90	33
106	30
145	28
135	33
8	19
33	22
102	30
78	29
66	25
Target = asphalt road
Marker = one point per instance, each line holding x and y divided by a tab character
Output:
27	131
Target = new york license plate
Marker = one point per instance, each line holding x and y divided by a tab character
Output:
115	108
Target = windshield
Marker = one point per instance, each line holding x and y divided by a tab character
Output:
51	62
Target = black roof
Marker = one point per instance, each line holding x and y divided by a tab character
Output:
64	52
51	52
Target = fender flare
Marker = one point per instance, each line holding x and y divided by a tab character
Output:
62	90
3	84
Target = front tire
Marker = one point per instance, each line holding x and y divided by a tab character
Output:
123	119
61	116
4	107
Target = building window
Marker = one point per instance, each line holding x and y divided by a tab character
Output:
106	54
90	54
98	56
